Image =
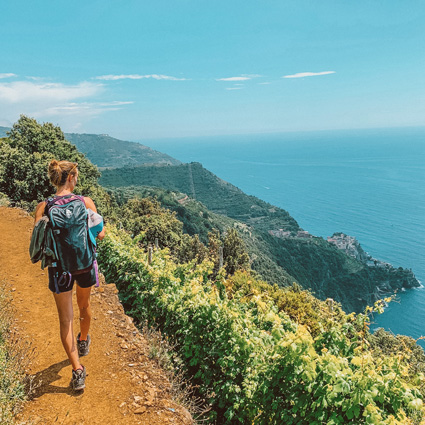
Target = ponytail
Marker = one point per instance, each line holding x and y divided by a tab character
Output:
59	171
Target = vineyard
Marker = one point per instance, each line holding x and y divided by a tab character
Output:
254	362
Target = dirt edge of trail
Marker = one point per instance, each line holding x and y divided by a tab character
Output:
123	385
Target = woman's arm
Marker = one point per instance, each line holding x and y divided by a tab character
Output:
39	211
90	204
101	235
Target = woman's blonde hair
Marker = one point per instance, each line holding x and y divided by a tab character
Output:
60	170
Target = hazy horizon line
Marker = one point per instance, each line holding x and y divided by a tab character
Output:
257	133
244	134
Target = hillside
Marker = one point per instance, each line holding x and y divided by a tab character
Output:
311	261
199	220
200	184
106	151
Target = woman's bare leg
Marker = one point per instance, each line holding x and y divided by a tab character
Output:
66	319
83	301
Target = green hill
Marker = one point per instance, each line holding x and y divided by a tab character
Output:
198	220
200	184
311	261
106	151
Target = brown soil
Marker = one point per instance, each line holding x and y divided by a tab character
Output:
123	385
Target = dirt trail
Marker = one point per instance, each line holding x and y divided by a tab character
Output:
122	387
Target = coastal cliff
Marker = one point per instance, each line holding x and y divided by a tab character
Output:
389	278
281	251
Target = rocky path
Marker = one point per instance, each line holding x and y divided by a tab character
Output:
123	385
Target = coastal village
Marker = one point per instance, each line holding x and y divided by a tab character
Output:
285	234
398	278
349	244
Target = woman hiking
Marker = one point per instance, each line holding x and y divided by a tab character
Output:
64	175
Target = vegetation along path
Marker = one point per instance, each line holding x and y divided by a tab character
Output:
123	385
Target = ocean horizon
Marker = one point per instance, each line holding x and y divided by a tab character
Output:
366	183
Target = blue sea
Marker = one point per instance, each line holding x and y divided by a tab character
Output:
366	183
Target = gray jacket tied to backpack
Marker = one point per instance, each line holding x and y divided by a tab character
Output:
42	246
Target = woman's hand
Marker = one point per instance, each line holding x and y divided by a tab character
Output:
90	204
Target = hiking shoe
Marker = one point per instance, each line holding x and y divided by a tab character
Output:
78	379
83	346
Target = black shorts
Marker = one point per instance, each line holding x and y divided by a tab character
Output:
63	282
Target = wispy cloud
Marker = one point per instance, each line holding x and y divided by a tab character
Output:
33	78
43	100
138	77
308	74
233	88
233	79
7	75
25	91
91	108
242	77
266	82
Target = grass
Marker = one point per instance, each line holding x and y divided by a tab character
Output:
14	358
181	390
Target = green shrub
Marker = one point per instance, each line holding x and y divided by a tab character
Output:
253	363
4	200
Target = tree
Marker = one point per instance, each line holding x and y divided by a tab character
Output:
24	158
234	252
147	217
214	244
192	249
235	256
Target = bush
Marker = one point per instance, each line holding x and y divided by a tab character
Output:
251	361
4	200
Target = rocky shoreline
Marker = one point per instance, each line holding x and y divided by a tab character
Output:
391	279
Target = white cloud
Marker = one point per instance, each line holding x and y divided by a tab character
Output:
264	83
7	75
233	88
69	103
233	79
138	77
86	108
29	77
308	74
26	91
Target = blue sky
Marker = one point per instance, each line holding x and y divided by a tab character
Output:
141	70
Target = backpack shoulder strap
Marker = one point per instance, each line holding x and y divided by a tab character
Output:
49	202
64	199
81	198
